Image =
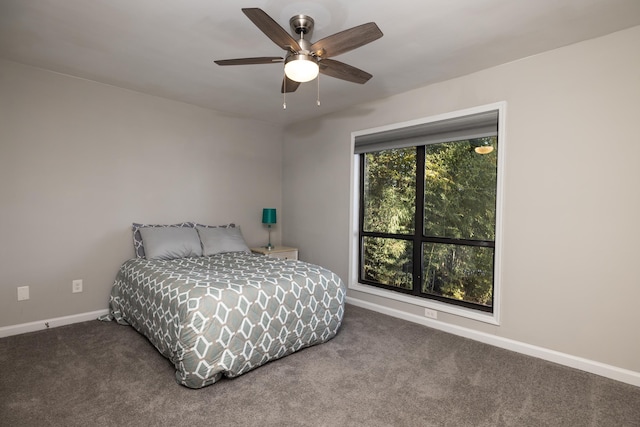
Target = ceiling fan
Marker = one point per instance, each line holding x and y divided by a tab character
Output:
304	59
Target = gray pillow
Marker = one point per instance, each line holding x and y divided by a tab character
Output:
170	242
219	240
138	245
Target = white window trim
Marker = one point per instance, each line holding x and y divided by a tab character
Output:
492	318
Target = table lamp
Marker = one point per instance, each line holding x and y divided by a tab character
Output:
269	218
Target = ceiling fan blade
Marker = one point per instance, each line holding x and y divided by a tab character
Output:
346	40
289	85
343	71
248	61
272	29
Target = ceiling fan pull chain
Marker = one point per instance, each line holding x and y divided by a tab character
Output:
318	98
284	92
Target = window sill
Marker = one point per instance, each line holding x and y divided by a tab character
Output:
490	318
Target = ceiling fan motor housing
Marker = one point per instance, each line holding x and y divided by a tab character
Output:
302	25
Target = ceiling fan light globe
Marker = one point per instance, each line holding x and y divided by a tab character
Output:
301	68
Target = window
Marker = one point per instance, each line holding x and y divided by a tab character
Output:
427	210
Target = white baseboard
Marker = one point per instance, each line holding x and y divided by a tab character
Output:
604	370
50	323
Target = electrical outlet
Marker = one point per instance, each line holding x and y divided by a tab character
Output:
76	286
431	314
23	293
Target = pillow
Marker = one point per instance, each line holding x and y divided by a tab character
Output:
221	239
170	242
138	245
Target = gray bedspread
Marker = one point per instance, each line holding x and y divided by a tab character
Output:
227	314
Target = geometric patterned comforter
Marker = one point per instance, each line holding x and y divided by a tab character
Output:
226	314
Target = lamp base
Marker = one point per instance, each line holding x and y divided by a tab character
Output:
269	245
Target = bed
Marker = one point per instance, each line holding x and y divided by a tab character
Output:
223	314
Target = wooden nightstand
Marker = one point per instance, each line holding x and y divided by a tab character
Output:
283	252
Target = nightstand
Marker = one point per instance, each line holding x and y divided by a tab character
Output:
283	252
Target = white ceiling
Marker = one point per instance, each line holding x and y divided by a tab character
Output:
166	48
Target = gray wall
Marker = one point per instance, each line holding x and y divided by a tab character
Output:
81	161
571	202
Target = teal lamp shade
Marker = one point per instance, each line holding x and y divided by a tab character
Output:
268	216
